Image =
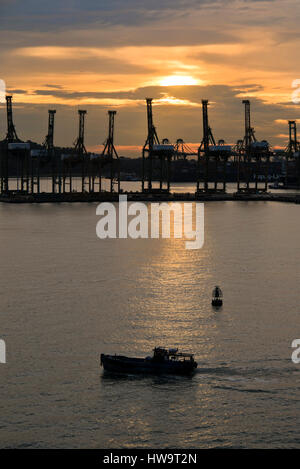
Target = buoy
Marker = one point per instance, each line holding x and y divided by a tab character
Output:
217	297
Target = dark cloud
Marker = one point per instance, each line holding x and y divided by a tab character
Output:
73	65
192	93
118	36
220	96
58	87
37	15
249	87
18	91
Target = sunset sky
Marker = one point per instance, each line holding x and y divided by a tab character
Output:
99	55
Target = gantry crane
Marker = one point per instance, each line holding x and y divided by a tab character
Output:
110	156
292	171
208	153
156	157
14	150
11	135
254	158
77	155
80	150
51	155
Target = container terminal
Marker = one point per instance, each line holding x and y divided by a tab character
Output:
250	163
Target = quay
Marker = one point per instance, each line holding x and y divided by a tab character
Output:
144	197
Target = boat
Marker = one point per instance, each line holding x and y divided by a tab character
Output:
217	297
163	361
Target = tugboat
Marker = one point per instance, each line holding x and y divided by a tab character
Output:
217	296
163	361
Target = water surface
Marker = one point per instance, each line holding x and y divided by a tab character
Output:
67	296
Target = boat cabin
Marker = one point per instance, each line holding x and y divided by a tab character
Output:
163	354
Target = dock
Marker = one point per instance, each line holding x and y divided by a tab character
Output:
81	197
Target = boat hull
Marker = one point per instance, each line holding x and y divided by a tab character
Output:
120	364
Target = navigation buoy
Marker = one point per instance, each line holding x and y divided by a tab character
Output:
217	297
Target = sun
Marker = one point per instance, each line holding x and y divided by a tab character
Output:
178	80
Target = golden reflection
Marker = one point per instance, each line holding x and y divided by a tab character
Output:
175	284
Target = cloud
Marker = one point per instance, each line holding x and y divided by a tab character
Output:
35	15
71	60
58	87
16	91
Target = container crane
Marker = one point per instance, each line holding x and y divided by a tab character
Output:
292	153
209	152
110	155
253	159
14	149
155	152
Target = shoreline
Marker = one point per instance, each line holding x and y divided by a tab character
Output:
146	197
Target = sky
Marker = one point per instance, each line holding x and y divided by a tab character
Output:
99	55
